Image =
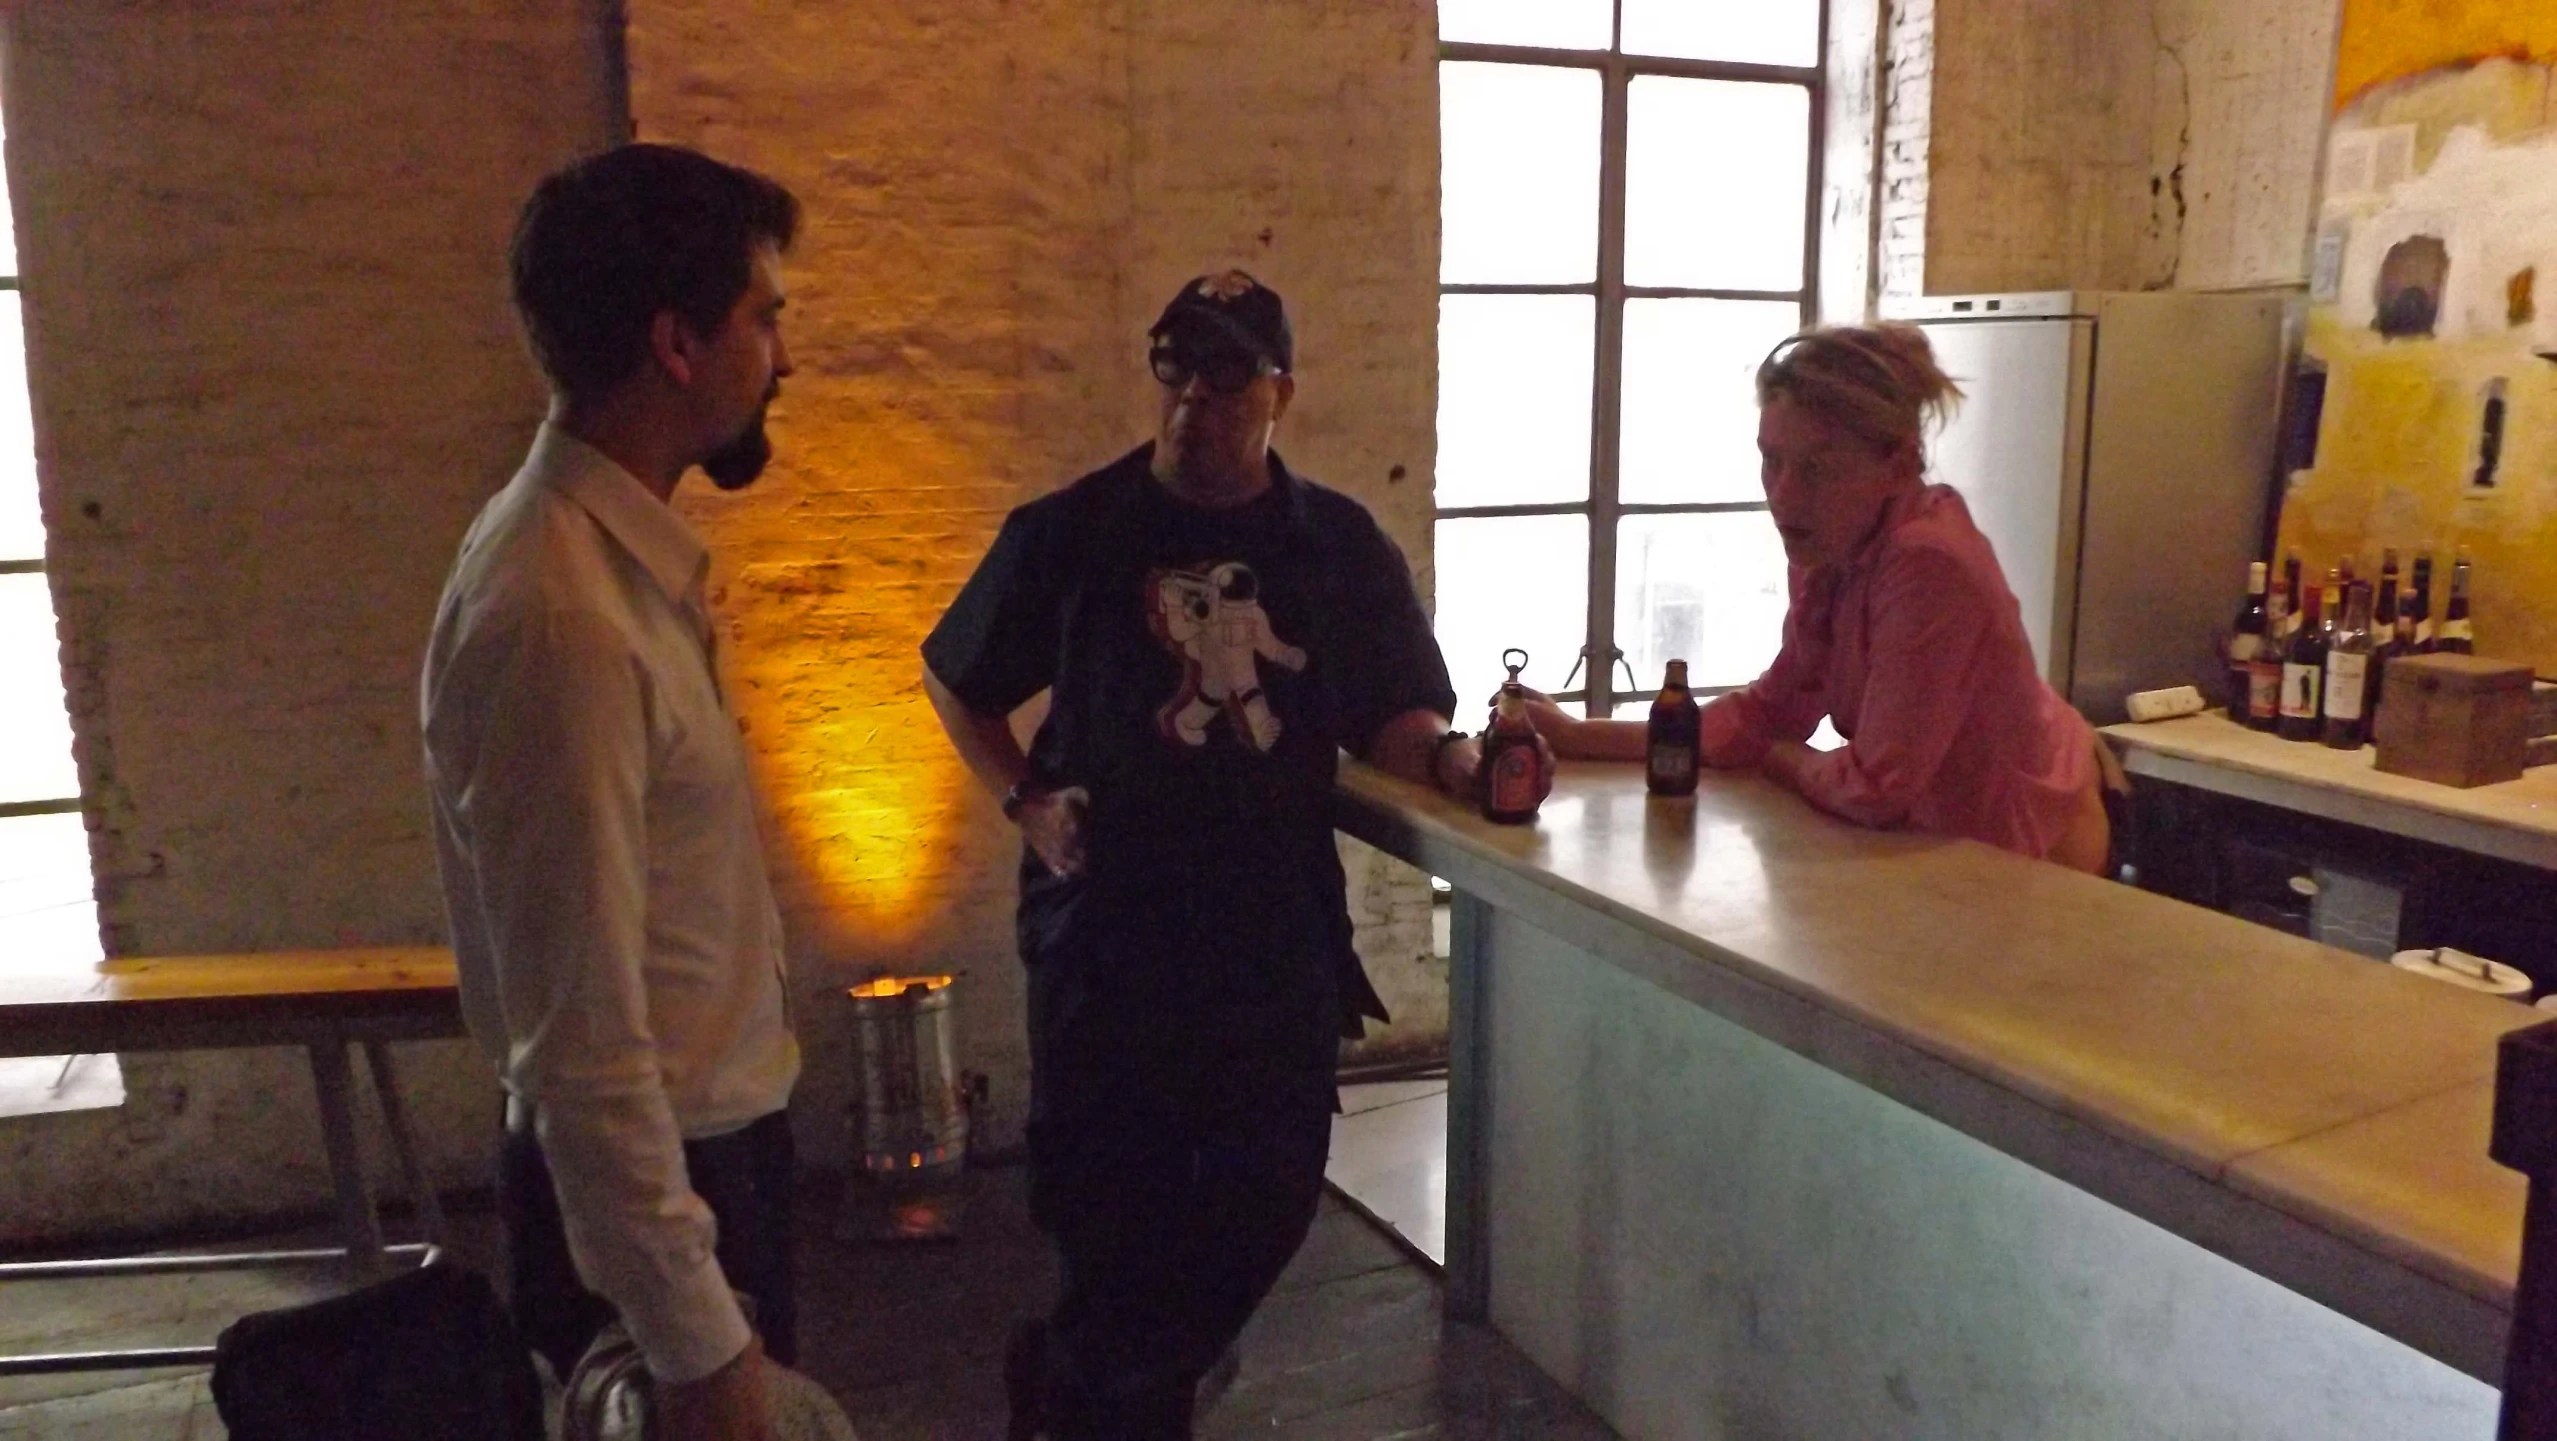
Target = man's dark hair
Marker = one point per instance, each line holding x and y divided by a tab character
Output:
606	244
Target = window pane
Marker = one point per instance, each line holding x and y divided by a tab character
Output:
1762	32
47	900
1716	176
1510	581
21	532
1706	589
1690	431
1518	174
1513	398
35	732
1562	24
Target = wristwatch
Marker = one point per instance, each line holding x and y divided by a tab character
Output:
1019	794
1438	758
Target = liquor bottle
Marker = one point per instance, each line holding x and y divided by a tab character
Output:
2246	646
1669	757
2417	615
2348	664
2458	636
2304	675
1510	760
2384	640
2344	570
2291	599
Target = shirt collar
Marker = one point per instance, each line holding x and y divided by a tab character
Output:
1286	495
668	549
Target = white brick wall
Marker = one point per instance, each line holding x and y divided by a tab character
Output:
274	372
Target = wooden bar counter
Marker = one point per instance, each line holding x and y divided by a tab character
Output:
1765	1125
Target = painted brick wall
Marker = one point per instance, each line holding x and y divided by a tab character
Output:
274	373
991	230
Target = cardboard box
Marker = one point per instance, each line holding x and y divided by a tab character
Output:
2461	720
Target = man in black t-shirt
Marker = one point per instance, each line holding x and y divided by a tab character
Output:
1215	630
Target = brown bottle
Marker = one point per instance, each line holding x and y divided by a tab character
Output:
2458	636
1669	757
1510	759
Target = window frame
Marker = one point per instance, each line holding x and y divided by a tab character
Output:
1604	509
29	565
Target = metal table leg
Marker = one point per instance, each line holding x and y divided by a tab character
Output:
335	1082
421	1187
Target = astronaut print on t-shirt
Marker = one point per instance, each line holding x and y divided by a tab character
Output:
1210	617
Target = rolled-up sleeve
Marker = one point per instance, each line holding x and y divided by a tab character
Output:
1930	619
556	808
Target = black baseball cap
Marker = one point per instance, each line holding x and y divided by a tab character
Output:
1234	307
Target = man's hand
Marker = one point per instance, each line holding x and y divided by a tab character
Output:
1052	822
730	1404
1460	767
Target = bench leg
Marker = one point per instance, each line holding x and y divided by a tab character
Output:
335	1082
421	1187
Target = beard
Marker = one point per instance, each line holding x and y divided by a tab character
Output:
735	466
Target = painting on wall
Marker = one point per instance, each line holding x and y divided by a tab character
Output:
2433	311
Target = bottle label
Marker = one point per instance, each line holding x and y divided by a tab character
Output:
2263	690
2243	646
2458	629
1672	763
1512	789
2299	691
2346	676
2423	633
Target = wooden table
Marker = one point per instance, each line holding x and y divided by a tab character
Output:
322	1001
2513	821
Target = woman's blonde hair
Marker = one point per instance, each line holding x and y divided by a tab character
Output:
1880	382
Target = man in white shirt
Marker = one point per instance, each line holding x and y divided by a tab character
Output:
620	952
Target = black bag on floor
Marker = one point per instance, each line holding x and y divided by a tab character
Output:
425	1356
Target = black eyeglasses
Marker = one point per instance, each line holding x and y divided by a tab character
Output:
1227	371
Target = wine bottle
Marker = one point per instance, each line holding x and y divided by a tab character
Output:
2304	675
2348	659
2246	647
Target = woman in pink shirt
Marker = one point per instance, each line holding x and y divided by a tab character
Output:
1901	632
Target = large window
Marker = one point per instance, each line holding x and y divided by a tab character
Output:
48	906
1627	228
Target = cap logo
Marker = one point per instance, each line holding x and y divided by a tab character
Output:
1232	285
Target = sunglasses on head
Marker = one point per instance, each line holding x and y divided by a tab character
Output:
1228	370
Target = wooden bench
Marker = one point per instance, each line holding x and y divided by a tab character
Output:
325	1002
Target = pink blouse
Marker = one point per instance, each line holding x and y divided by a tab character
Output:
1915	651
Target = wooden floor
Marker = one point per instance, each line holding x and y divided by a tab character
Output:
1351	1347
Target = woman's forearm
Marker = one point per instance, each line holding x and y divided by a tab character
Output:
1603	740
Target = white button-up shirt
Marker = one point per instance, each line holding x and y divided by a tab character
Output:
619	949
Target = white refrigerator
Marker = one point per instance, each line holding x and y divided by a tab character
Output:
2118	451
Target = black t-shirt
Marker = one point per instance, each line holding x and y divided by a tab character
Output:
1208	666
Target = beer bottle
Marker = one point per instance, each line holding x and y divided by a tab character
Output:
2304	675
2348	660
1510	760
1669	757
2417	616
2457	635
2246	644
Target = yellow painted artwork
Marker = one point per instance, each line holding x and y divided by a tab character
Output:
2437	220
